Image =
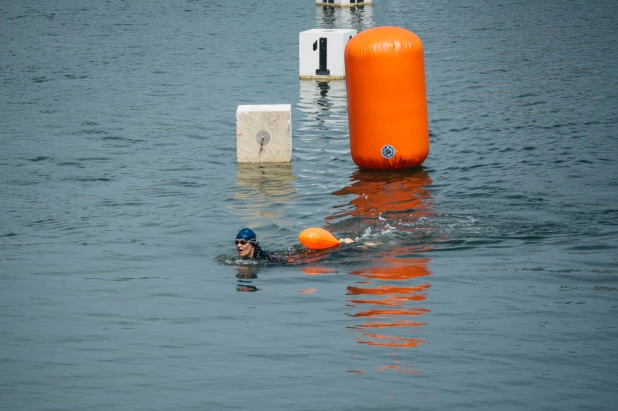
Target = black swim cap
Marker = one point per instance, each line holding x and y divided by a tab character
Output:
246	234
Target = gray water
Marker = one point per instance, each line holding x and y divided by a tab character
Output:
486	279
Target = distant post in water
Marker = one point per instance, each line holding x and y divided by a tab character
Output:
387	102
320	53
342	3
264	133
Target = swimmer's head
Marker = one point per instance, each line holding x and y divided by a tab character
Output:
245	242
246	234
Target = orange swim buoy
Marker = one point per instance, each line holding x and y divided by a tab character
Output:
387	99
316	238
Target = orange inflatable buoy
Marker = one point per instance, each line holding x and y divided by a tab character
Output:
316	238
387	99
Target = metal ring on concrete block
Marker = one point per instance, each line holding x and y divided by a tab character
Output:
263	137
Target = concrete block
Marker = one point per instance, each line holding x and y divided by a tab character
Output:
342	3
320	53
264	133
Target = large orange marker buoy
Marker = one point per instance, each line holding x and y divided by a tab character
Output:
316	238
387	99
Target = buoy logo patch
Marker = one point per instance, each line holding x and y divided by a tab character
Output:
388	151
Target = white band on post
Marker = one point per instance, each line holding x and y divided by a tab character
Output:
320	53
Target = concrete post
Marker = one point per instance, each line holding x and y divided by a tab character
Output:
342	3
264	133
320	53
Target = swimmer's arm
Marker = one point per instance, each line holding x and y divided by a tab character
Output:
366	244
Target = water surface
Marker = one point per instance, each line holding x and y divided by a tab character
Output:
485	279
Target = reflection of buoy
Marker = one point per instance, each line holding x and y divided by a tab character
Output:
387	103
316	238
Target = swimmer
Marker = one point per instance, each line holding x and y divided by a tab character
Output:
249	249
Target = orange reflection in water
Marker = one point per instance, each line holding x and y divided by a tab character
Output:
400	196
389	300
317	270
388	307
